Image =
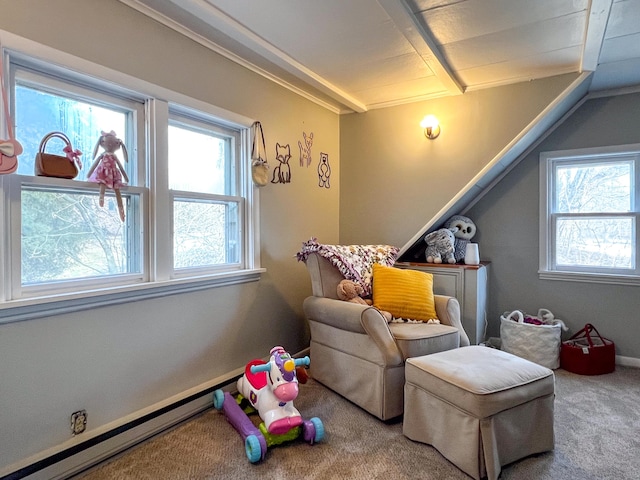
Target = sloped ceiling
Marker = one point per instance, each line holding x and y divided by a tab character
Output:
356	55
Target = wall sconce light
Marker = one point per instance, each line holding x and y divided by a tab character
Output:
431	126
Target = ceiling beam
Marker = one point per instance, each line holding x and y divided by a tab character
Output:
596	25
421	40
229	26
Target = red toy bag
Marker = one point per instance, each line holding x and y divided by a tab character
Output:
588	353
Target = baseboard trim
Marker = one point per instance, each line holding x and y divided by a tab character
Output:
627	361
67	460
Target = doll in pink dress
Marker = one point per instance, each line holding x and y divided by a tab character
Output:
107	169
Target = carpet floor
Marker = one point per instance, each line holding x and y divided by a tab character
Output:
597	427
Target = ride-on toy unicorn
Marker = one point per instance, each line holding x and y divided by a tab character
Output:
268	388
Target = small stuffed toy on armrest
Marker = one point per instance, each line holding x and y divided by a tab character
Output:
350	291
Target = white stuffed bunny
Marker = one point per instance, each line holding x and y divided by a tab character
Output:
440	246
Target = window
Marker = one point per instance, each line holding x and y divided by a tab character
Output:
203	185
589	214
189	204
65	237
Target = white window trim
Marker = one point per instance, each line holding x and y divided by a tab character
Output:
160	284
546	161
16	184
189	119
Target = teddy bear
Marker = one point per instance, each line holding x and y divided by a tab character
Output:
350	291
466	231
440	246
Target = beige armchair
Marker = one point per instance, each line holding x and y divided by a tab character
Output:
356	353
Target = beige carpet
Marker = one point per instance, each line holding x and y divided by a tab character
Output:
597	428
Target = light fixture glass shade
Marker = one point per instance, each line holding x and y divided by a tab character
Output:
431	126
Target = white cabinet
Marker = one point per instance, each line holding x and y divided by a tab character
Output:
469	284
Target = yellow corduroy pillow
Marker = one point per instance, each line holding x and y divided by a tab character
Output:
405	294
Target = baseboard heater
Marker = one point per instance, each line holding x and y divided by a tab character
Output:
123	437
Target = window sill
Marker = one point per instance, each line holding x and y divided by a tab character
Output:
590	278
32	308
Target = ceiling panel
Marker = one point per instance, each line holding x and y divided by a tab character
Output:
359	54
402	92
386	42
617	75
385	72
476	18
521	69
619	49
363	31
527	41
624	19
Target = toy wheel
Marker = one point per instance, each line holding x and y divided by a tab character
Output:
218	399
319	428
252	448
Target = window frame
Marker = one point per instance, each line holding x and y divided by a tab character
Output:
50	79
157	280
17	184
548	269
180	118
34	74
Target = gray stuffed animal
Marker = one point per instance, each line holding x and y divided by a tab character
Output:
440	246
466	231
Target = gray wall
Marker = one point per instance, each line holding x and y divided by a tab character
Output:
116	361
395	180
508	218
387	182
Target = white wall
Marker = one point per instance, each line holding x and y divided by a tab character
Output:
116	361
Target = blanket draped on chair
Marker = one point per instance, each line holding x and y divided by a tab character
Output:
355	262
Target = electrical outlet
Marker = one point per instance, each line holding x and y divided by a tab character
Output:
78	422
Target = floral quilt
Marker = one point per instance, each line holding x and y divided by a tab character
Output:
355	262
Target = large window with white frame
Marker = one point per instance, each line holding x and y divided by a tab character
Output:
65	239
589	212
203	183
59	240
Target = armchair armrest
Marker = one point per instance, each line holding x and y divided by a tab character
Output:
337	313
355	318
448	311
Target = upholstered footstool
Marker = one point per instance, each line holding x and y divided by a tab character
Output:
481	408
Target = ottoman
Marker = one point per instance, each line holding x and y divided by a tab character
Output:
481	408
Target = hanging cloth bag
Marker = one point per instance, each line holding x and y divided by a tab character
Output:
537	343
11	148
259	164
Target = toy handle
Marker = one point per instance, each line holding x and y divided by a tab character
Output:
265	367
302	361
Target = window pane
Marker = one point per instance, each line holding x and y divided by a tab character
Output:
39	113
588	188
69	236
600	242
205	233
199	161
